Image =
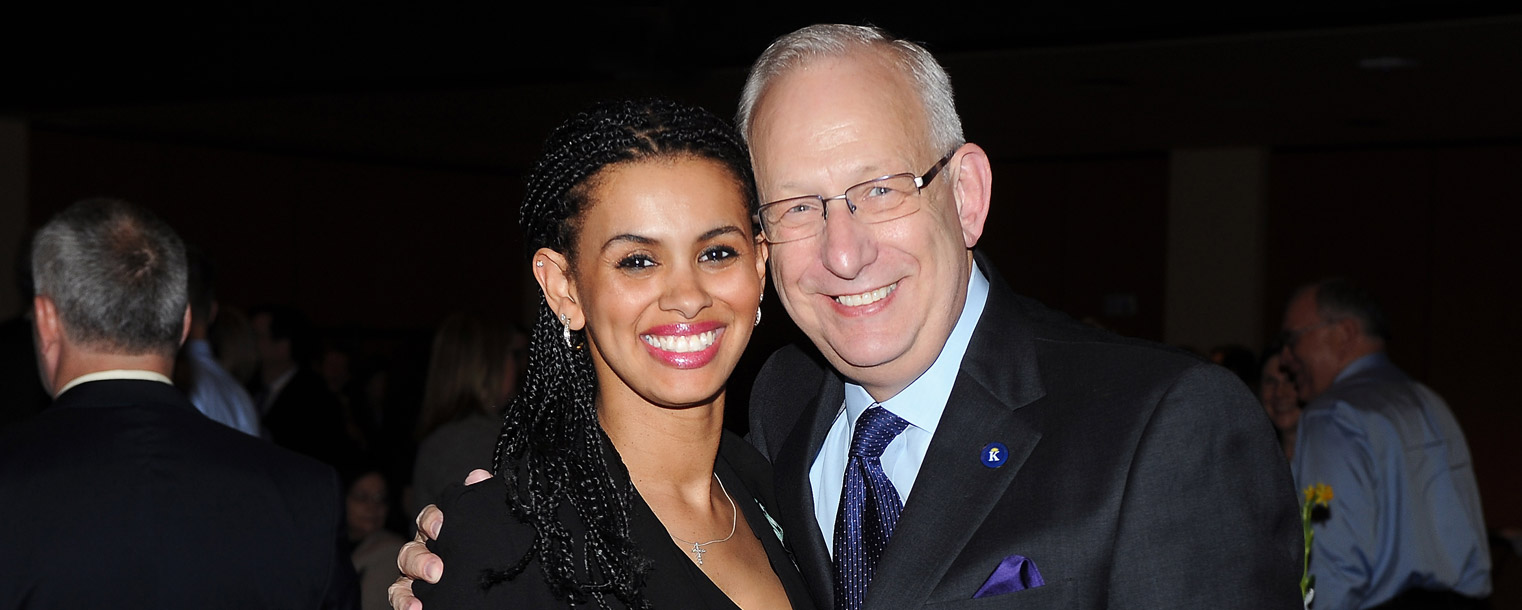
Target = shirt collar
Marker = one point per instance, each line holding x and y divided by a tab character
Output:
922	403
116	374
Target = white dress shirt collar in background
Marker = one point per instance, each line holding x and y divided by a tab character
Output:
115	374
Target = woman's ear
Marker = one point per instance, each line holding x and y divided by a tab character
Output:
763	254
552	271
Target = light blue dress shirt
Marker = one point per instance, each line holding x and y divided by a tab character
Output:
1405	509
921	404
216	394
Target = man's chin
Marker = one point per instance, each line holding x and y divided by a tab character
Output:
858	353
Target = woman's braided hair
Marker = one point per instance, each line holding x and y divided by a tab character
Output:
551	449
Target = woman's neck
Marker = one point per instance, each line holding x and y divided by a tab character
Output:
667	451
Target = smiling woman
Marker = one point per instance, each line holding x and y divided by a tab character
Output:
669	297
615	479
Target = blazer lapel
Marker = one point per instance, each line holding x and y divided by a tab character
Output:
954	492
795	494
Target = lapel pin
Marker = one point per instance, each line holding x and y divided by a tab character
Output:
994	455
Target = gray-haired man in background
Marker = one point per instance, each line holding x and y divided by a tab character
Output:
122	494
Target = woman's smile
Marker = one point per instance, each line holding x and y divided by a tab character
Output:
684	346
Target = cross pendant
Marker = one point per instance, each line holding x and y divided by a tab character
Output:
697	552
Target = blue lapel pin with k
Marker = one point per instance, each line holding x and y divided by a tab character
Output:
994	455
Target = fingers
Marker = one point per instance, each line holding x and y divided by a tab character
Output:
428	522
476	476
400	595
415	561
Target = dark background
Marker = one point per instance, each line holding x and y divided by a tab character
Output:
365	162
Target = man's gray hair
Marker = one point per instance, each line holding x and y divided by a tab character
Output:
1338	298
117	275
835	40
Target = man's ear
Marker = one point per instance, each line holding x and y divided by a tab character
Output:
1347	331
972	179
45	316
49	337
551	270
185	325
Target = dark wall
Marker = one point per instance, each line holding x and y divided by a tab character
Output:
350	243
1071	232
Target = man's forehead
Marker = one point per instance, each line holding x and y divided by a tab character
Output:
848	172
833	98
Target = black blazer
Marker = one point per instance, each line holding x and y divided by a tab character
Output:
122	495
1137	476
480	534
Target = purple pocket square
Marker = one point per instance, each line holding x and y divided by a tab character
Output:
1015	573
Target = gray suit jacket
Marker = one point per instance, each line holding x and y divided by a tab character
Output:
1137	476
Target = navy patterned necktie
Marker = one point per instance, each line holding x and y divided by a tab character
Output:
869	507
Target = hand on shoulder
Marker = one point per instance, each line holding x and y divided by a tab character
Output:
415	561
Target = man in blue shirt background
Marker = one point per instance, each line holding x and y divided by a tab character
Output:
210	387
1404	527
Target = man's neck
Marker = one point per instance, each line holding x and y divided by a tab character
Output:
1357	351
79	364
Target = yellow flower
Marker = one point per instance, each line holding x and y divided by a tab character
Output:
1318	494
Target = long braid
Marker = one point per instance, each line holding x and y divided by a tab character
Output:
550	451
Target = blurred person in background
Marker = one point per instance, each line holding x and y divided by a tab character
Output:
1405	527
122	494
232	340
472	375
1277	391
213	390
298	409
367	505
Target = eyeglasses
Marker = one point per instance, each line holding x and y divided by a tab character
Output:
1289	338
877	200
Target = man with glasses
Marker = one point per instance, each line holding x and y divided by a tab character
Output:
1404	528
961	445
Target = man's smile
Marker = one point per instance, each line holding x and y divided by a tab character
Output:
866	298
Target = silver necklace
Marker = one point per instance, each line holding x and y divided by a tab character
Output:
697	549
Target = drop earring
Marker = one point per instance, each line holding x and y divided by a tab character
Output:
758	309
565	329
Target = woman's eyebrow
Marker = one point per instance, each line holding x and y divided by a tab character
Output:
724	230
630	237
651	241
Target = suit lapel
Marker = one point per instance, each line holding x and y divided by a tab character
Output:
795	494
954	492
